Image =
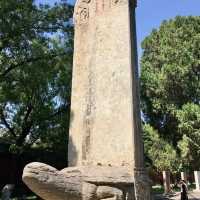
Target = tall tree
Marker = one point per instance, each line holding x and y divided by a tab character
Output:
35	72
160	154
170	74
189	127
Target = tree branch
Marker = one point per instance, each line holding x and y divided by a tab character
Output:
25	131
29	110
59	111
11	130
26	126
29	60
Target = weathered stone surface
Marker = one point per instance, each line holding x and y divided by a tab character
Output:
102	91
142	185
105	144
76	183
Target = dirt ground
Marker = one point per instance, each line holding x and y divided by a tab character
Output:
176	196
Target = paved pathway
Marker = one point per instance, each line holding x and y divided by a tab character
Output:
176	196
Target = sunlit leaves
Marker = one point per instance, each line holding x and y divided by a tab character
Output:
170	72
35	72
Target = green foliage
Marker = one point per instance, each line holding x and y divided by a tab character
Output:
170	88
189	127
161	154
189	120
35	73
170	75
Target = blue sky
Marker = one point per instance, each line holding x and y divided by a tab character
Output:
150	13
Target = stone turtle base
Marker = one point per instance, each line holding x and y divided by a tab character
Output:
80	183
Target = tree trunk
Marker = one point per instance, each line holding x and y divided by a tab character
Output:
166	181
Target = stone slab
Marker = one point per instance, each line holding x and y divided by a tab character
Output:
102	127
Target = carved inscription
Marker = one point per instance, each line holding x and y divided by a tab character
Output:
102	5
121	2
82	8
115	2
106	5
81	12
89	116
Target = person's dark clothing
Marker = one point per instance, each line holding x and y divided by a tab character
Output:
184	195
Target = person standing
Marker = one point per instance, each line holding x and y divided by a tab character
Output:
184	190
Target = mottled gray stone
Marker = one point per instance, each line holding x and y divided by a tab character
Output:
105	144
76	183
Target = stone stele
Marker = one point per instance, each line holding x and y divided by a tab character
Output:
105	144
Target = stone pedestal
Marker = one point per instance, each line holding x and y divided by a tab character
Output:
105	130
80	183
166	181
197	179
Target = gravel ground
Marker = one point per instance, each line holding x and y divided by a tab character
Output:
176	196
